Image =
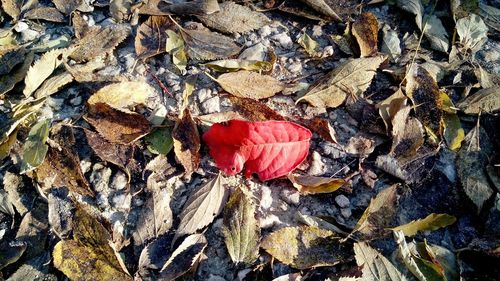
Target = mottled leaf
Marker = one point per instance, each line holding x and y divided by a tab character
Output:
187	142
44	13
365	30
207	45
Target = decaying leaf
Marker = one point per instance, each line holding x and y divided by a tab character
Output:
374	265
320	126
89	255
306	184
119	154
365	30
124	95
472	32
408	169
308	44
407	133
350	78
34	148
6	146
247	84
378	215
42	69
115	125
184	257
321	7
424	92
305	247
175	47
202	206
234	18
431	222
11	252
485	101
241	229
187	142
151	37
471	163
206	45
10	57
98	42
61	167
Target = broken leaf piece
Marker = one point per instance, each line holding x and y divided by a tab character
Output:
34	148
374	265
202	206
431	222
246	84
124	95
187	142
234	18
150	39
207	45
115	125
306	184
184	257
270	149
175	47
365	30
241	229
44	13
308	44
305	247
350	78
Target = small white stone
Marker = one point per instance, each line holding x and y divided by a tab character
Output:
211	105
265	31
85	165
317	166
295	68
269	221
290	196
317	31
284	40
122	201
54	103
21	26
204	94
266	199
327	51
346	213
120	181
342	201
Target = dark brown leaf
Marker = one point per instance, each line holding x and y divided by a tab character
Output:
365	29
10	57
254	110
151	37
187	142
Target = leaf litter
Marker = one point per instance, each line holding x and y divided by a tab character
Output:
352	136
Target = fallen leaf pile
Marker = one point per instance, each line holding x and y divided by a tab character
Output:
249	140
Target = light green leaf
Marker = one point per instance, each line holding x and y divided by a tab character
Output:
35	149
160	141
308	44
431	222
175	46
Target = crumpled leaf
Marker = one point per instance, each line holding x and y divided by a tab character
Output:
321	7
270	148
306	184
431	222
308	44
304	247
115	125
352	77
90	254
485	101
202	206
99	41
42	69
436	34
187	142
391	44
365	30
184	257
241	229
471	162
374	265
234	18
124	95
247	84
378	215
207	45
34	148
472	31
175	47
151	37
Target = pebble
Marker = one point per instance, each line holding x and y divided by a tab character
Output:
85	165
120	180
54	103
265	31
346	213
99	178
211	105
21	26
122	201
317	166
266	199
295	68
317	31
76	100
284	40
342	201
290	196
328	51
204	94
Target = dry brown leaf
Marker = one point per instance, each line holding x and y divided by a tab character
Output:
99	41
184	258
12	8
390	106
8	81
87	72
254	110
154	8
423	90
360	145
234	18
81	26
187	142
365	30
10	57
42	69
207	45
485	100
247	84
151	38
53	84
67	6
123	96
119	154
407	133
321	127
44	13
194	7
350	78
306	184
117	126
322	7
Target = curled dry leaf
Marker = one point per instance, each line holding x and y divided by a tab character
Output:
187	142
306	184
431	222
53	84
124	95
453	132
374	265
202	206
365	30
241	229
151	37
270	148
234	18
247	84
390	106
115	125
352	77
184	257
305	247
207	45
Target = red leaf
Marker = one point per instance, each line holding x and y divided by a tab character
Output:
270	149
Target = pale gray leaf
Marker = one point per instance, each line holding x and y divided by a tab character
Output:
206	45
436	34
472	31
184	257
374	265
